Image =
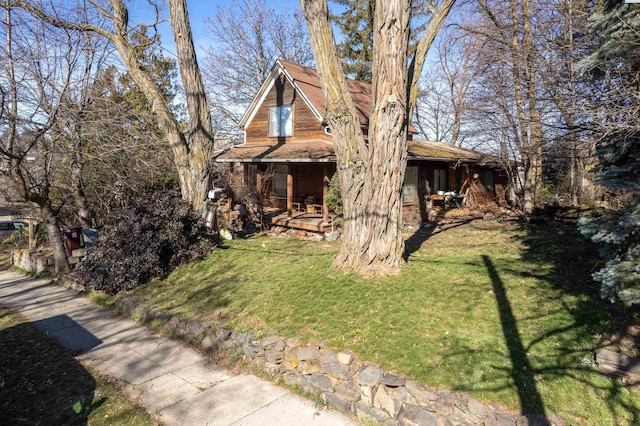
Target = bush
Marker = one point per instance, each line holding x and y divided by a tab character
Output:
334	197
146	240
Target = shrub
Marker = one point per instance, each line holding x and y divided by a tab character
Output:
145	240
334	197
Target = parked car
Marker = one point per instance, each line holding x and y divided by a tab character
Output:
8	227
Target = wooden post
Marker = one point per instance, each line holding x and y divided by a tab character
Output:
32	238
229	205
289	190
325	192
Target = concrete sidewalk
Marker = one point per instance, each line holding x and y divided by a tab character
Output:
179	385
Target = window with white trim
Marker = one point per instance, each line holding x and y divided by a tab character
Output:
281	121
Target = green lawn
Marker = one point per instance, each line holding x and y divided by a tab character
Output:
505	313
42	384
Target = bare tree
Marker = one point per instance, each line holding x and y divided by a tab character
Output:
442	104
262	35
507	86
372	165
39	67
191	153
565	43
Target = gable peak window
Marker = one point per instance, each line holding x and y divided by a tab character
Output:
281	120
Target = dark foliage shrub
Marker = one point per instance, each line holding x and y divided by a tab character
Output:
147	239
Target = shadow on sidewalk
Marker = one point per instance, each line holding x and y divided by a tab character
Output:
41	382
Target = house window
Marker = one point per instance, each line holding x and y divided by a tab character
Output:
439	180
251	176
279	187
410	186
281	121
489	179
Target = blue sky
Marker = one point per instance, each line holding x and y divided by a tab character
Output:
201	9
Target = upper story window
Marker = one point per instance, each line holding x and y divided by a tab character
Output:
281	120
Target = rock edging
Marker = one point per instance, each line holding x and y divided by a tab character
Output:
355	388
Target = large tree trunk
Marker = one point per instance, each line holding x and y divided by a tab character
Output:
535	124
372	171
375	244
200	129
192	158
55	238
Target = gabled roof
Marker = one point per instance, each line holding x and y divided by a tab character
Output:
307	84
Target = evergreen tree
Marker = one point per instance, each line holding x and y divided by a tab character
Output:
615	65
355	21
356	25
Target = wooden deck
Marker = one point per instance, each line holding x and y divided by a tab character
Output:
301	220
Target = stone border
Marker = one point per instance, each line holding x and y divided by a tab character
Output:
355	388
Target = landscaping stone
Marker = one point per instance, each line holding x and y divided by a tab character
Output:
274	357
310	367
320	382
273	343
345	358
329	357
208	343
413	415
366	394
292	379
335	401
365	412
385	401
222	334
337	371
290	362
348	391
370	376
392	380
305	354
477	408
420	394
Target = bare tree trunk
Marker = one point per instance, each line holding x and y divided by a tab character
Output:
372	172
521	58
55	238
375	244
535	126
82	206
201	139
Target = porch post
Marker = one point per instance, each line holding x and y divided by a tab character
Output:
325	192
289	190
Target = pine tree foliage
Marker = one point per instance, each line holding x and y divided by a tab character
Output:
356	25
615	65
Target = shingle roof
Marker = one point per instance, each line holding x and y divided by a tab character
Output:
299	151
307	80
319	150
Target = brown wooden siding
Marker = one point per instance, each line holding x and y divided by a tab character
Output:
305	125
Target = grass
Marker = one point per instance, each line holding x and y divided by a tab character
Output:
506	314
41	383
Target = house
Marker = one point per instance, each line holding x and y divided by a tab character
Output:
288	151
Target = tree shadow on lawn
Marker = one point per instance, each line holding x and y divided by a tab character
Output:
42	383
561	262
423	233
573	259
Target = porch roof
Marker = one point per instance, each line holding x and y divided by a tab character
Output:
323	151
311	151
